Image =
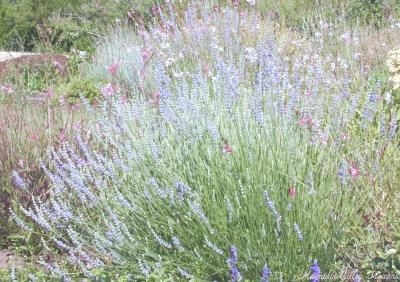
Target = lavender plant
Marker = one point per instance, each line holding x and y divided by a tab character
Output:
235	159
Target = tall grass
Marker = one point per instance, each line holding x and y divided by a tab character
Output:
30	123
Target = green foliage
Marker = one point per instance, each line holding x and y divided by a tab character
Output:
372	12
19	21
78	87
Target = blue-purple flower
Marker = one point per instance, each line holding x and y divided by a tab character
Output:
315	272
265	274
235	273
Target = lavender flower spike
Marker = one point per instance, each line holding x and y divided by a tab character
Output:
265	274
18	181
315	272
235	273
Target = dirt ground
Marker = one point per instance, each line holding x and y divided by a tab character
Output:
8	259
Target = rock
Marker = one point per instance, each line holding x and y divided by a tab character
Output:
19	62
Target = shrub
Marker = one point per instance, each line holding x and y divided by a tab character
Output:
237	160
77	88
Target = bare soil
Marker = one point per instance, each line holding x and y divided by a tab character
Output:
8	259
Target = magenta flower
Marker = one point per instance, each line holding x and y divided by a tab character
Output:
354	171
113	68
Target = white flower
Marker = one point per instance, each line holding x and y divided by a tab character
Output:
251	55
251	2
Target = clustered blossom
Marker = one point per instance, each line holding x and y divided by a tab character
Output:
270	204
18	181
232	262
265	274
298	232
315	272
113	68
109	89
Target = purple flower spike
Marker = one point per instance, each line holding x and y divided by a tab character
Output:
315	272
233	255
235	273
265	274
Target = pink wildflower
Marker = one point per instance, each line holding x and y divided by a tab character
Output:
109	89
7	88
62	137
47	93
155	10
34	137
306	121
113	68
124	99
146	54
354	171
292	192
227	149
21	163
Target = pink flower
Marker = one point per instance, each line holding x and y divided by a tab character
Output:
21	163
109	90
146	54
306	121
124	99
155	10
34	137
62	137
47	93
7	88
292	192
113	68
227	149
354	171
